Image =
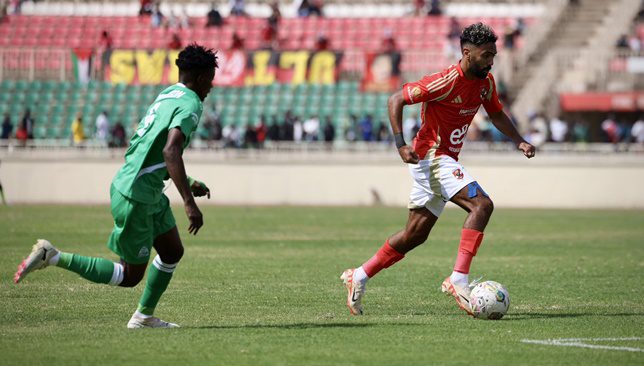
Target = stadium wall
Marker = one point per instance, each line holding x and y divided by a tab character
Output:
613	181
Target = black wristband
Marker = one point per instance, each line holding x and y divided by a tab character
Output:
400	140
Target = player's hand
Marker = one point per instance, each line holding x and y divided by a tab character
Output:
199	189
408	155
528	150
194	216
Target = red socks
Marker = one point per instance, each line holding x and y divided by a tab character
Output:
470	242
384	258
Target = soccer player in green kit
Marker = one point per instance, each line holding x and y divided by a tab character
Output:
142	215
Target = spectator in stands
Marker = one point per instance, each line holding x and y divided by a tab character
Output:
287	129
634	43
311	128
28	123
214	17
231	135
637	131
146	7
250	137
329	130
366	128
419	8
435	8
306	8
611	129
321	42
260	131
454	28
238	8
351	130
175	42
388	41
21	133
78	130
157	18
558	130
270	30
102	127
509	36
580	131
105	42
4	13
382	132
298	130
273	132
17	6
237	42
118	135
411	125
538	130
7	127
622	43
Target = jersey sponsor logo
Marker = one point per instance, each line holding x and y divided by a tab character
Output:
458	174
175	94
458	99
194	117
468	112
458	135
454	149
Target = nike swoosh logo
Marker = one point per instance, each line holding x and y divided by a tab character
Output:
44	255
354	298
463	297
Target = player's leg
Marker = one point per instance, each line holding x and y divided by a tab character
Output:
479	206
131	239
169	252
94	269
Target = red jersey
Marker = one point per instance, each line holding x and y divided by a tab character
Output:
450	102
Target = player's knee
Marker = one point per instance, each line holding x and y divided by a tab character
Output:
172	256
485	207
131	279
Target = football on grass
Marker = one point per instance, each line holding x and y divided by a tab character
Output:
489	300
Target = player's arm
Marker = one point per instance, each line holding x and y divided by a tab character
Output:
395	105
177	171
504	124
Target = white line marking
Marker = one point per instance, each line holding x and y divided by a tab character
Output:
580	342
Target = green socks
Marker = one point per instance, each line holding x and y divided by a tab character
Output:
159	276
98	270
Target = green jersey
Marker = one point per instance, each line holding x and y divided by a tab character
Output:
141	178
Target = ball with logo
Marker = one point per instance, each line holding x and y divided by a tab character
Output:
489	300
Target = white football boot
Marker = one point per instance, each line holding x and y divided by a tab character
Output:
460	293
355	291
39	258
137	322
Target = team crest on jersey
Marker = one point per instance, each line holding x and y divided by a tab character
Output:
415	92
144	252
458	174
484	93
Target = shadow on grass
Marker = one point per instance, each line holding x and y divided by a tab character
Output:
524	316
286	326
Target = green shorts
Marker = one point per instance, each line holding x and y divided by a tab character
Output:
136	225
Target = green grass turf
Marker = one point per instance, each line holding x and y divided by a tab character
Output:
259	286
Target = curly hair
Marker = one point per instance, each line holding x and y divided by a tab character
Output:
196	57
478	34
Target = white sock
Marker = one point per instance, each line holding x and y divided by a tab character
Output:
117	275
459	278
141	315
360	275
54	260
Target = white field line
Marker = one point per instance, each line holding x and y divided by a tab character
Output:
580	342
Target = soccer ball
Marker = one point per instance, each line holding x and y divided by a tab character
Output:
489	300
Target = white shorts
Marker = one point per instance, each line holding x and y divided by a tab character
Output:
436	181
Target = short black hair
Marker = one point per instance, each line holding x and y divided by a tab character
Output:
478	34
196	57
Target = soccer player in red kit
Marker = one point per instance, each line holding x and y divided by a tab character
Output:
450	100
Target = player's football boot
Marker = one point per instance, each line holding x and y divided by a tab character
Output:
39	258
137	322
355	291
460	293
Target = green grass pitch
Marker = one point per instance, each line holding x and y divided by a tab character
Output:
259	286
